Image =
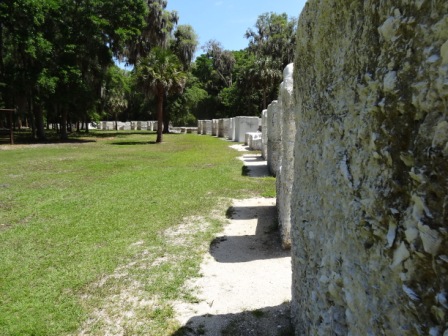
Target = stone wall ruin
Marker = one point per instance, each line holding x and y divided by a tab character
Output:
274	136
285	175
369	199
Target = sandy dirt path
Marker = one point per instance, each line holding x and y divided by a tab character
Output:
245	288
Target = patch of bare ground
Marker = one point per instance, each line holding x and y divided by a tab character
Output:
124	305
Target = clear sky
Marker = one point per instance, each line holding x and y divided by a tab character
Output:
227	20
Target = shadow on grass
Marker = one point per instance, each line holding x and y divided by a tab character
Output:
109	134
133	143
48	141
268	321
24	136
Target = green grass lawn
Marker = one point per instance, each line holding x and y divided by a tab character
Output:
101	234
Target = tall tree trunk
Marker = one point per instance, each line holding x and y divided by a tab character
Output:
22	106
64	134
39	120
86	120
160	96
166	117
32	119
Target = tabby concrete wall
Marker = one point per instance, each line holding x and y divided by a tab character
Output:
285	175
264	134
274	136
244	125
223	127
369	200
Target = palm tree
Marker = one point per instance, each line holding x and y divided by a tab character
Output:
265	74
183	45
160	74
159	24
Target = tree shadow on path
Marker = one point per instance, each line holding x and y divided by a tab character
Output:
264	244
248	323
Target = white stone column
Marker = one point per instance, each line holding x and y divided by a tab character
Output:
274	120
285	175
264	134
223	127
208	127
244	125
203	128
254	140
110	125
231	134
215	127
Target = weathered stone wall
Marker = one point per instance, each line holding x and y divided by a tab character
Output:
231	134
244	125
203	127
370	201
285	175
215	127
200	125
253	140
207	127
264	134
274	136
223	127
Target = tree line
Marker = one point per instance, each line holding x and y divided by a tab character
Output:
57	64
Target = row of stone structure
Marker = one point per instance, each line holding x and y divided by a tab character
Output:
234	129
140	126
358	142
127	126
278	122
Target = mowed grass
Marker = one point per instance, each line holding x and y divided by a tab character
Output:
88	239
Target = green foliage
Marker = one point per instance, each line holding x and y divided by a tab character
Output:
54	54
182	108
223	61
243	82
116	90
156	32
184	44
273	37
